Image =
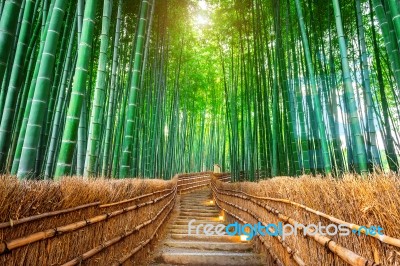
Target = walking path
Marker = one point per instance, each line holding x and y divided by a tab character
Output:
180	248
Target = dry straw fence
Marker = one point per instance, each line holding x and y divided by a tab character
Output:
352	201
115	222
91	222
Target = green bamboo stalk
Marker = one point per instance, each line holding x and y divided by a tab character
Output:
106	165
56	123
15	83
41	95
125	166
98	103
69	139
8	28
314	92
358	141
372	149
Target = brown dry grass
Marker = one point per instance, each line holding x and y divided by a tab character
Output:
374	200
19	199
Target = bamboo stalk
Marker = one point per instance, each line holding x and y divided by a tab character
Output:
13	223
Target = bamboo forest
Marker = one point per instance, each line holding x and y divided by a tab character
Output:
154	88
200	132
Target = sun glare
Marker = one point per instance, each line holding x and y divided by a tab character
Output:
201	15
201	20
203	5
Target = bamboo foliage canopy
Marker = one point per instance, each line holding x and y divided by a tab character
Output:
152	88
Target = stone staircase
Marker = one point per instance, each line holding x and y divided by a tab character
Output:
180	248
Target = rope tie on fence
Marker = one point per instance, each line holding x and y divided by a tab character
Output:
327	247
4	249
87	221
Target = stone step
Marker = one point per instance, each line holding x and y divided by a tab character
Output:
185	230
197	206
210	211
195	202
195	199
210	258
203	210
185	226
180	248
207	245
199	220
214	238
198	214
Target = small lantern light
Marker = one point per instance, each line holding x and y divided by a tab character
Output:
221	217
243	238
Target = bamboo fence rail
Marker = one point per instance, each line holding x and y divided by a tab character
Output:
144	243
275	258
9	245
293	253
13	223
27	239
180	176
136	198
120	237
195	182
381	237
345	254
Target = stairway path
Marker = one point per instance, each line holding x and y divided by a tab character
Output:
180	248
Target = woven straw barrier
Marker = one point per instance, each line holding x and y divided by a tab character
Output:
258	202
90	222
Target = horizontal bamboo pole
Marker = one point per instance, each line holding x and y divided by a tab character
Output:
224	178
293	254
117	239
345	254
194	174
25	240
13	223
144	243
183	180
383	238
221	174
193	187
136	198
270	251
196	182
